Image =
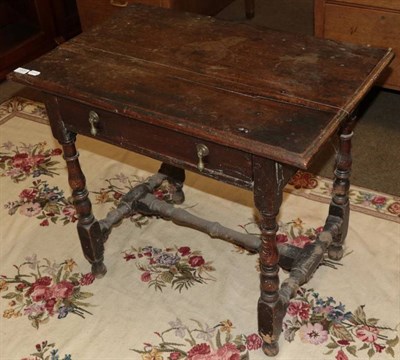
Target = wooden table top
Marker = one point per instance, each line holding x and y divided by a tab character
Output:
272	94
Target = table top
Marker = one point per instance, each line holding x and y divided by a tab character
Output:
272	94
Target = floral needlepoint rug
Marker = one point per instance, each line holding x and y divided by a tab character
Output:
171	292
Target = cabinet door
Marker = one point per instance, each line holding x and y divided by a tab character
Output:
27	30
362	25
93	12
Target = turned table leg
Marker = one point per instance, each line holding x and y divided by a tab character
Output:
176	177
340	207
89	230
90	233
269	181
249	8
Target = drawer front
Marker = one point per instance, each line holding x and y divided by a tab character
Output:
222	163
366	26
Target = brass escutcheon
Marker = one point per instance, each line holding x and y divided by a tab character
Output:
93	121
202	151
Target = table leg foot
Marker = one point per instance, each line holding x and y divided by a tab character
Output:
335	252
92	241
270	319
99	269
178	197
270	349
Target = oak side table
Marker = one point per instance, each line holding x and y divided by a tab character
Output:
240	104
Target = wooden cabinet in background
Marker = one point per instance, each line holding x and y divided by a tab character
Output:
373	22
29	28
93	12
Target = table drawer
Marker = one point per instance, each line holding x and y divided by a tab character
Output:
222	163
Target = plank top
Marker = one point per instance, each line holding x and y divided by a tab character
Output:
268	93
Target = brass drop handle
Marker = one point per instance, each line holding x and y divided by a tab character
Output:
119	4
93	121
202	151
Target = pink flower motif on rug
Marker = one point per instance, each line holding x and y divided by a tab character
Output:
370	199
201	342
225	352
367	334
313	334
299	308
25	160
317	319
394	208
253	342
44	203
341	355
296	234
181	267
41	290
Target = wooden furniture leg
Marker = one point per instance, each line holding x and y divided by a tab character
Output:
269	181
90	234
89	230
340	207
250	8
176	177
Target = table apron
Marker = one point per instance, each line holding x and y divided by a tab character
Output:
222	163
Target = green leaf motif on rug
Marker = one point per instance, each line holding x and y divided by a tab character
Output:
20	162
42	290
198	340
47	351
45	203
180	268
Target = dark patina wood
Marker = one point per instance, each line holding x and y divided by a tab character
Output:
267	93
250	8
241	104
89	231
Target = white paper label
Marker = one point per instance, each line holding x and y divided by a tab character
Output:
21	70
34	73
